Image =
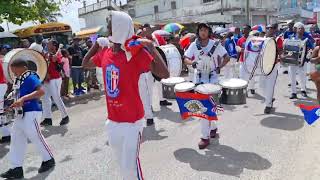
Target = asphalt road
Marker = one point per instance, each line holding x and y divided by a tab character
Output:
252	146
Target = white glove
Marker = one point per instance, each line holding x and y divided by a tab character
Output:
103	42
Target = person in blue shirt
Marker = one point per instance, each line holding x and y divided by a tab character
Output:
26	125
293	70
236	35
288	34
230	46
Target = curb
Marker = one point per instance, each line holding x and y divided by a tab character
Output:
84	97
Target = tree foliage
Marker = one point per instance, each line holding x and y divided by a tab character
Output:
19	11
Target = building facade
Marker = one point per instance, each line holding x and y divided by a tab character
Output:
187	11
300	10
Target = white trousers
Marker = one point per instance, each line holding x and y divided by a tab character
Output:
158	85
230	70
5	129
124	139
206	126
145	89
52	89
293	70
267	84
23	129
245	75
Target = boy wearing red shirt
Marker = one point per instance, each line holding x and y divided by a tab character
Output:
52	86
121	72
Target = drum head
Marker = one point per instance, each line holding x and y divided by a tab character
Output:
172	81
268	56
233	83
163	55
35	60
184	87
208	89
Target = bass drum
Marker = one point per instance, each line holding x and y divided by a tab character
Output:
260	55
172	58
35	60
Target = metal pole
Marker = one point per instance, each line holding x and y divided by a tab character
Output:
247	12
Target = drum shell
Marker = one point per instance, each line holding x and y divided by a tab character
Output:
171	55
168	91
232	96
294	52
215	95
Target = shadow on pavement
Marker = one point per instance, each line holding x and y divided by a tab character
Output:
30	169
66	159
41	176
54	130
167	114
151	134
309	102
256	96
4	149
283	121
222	159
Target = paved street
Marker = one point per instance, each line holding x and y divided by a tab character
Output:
252	146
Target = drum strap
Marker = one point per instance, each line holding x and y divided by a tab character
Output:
212	50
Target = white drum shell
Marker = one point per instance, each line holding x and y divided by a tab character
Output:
168	86
174	59
27	55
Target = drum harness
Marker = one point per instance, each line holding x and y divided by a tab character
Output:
256	63
14	95
210	53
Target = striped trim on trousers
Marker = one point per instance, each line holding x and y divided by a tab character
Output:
42	138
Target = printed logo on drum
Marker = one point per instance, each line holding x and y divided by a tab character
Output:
255	46
112	80
195	106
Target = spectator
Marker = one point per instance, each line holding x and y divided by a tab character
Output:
66	73
77	75
25	43
90	74
37	45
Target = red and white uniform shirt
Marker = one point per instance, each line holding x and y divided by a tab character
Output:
121	83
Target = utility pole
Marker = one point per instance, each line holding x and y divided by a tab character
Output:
247	12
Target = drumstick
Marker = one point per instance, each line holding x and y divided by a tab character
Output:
195	74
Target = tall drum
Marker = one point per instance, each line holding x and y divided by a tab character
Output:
294	52
210	89
260	56
35	60
168	86
234	91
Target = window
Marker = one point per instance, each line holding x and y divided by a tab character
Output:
132	13
156	9
207	1
173	5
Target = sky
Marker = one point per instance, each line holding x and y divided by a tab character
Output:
69	16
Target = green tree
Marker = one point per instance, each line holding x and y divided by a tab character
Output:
19	11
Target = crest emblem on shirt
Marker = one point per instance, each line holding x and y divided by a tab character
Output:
255	46
112	80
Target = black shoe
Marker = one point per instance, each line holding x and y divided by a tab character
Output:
46	122
285	72
64	121
150	122
165	103
252	91
5	139
293	96
47	165
267	110
16	173
304	93
296	84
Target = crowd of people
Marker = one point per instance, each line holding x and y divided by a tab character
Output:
132	65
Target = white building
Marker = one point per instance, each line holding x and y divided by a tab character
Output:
186	11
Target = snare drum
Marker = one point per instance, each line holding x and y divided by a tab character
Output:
234	91
168	86
294	52
184	87
210	89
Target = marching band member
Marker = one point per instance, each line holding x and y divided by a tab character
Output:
241	45
293	70
145	90
269	82
52	86
27	127
230	71
289	33
4	130
315	75
122	70
197	55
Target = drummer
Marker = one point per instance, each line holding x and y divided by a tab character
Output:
197	55
269	82
293	70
